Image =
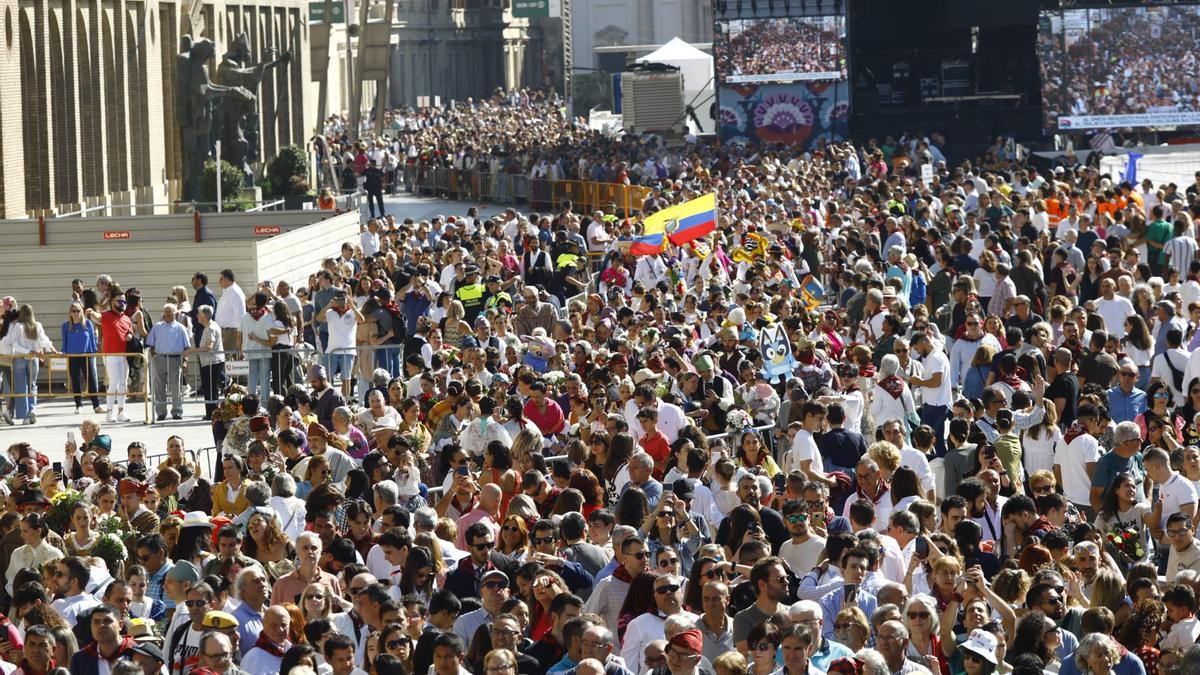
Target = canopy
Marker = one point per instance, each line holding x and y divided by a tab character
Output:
699	87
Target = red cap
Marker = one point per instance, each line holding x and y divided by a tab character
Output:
260	423
691	640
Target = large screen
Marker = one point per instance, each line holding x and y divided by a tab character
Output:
780	50
1120	67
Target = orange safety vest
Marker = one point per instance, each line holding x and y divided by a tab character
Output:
1056	210
326	204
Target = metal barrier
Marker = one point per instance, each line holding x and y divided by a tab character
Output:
540	193
87	390
204	458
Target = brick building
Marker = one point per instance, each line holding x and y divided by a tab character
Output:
89	118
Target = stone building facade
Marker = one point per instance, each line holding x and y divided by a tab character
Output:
455	49
90	115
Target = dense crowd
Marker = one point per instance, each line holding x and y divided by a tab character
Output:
1123	61
503	444
786	48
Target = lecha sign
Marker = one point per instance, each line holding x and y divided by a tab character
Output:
316	11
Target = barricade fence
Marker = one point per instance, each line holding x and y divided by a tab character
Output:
85	367
538	193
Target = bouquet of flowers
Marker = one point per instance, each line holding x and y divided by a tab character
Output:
738	420
1128	542
110	547
62	505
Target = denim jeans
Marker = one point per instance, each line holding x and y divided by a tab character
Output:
259	381
25	372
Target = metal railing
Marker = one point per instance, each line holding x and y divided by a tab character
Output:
103	210
10	394
540	193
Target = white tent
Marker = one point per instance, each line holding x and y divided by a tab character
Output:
699	87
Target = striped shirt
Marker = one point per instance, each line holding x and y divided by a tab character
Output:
1181	250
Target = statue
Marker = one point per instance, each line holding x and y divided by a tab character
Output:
195	94
239	117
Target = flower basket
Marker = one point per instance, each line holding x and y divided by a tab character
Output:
62	505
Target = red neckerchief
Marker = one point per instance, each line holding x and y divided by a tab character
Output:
622	574
883	488
26	667
257	313
264	643
893	385
807	359
123	646
834	342
1014	380
867	370
1074	432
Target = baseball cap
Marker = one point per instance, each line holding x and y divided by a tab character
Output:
148	649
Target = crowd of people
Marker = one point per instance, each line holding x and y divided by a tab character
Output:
975	448
791	48
1121	61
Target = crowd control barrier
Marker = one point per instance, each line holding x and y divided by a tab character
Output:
89	389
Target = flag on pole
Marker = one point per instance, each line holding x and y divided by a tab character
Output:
651	240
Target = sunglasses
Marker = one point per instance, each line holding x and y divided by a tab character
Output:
797	518
196	603
715	574
667	589
485	546
538	541
510	528
918	615
397	644
495	585
667	562
640	555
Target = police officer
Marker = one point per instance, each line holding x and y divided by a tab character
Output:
470	293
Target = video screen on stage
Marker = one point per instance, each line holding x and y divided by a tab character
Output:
1119	67
780	49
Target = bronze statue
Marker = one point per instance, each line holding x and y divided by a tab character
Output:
195	93
239	117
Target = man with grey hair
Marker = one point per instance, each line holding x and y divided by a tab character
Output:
386	493
167	341
873	313
210	349
597	647
1126	457
892	593
892	642
308	552
288	507
253	589
902	531
824	651
644	629
258	494
632	555
641	465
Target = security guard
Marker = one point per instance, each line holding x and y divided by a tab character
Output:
470	293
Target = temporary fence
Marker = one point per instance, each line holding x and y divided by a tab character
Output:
88	388
537	193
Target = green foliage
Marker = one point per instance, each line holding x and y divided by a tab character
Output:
287	173
231	182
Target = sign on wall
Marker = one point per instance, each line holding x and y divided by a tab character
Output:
316	11
536	9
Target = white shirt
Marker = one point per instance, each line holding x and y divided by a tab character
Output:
342	330
804	448
1038	453
1182	634
258	662
937	362
1072	458
802	557
70	607
918	462
1181	361
370	243
1115	312
883	510
291	512
671	419
231	306
894	565
642	631
1176	493
33	558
